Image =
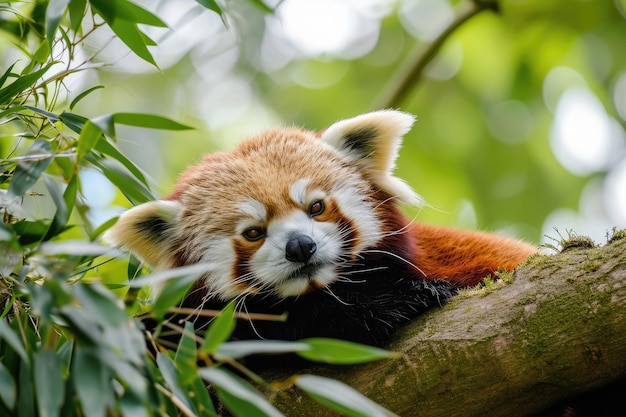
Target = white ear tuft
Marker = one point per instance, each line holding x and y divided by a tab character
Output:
148	230
373	140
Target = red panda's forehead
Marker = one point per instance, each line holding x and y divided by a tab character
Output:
265	169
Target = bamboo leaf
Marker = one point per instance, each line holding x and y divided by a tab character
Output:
260	4
240	397
77	11
49	384
220	329
340	397
73	121
103	306
8	93
211	5
203	401
172	293
8	389
11	338
341	352
92	383
187	354
122	9
151	121
5	75
242	348
133	38
27	173
64	205
133	189
171	375
54	12
83	95
89	137
109	149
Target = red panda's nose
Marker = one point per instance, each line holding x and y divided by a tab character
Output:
300	248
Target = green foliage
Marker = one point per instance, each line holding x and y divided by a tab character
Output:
69	344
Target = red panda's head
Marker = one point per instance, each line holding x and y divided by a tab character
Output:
281	212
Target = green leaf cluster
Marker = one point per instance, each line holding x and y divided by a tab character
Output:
72	342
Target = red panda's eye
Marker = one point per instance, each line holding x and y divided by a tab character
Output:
316	208
253	234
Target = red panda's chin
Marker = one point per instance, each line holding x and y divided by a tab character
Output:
307	280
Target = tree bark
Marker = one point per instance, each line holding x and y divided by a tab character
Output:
557	330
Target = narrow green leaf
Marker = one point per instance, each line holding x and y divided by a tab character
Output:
202	399
26	392
106	123
221	329
92	382
102	228
27	173
64	205
340	397
341	352
211	5
103	306
172	293
240	397
30	232
242	348
187	354
125	10
260	4
54	12
171	375
77	12
151	121
52	116
76	247
49	384
130	34
89	137
5	75
109	149
8	389
133	189
195	270
131	405
8	93
84	94
41	300
73	121
14	109
42	53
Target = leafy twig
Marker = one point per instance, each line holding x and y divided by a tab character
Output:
410	72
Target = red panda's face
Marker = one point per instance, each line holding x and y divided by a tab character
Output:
281	214
278	215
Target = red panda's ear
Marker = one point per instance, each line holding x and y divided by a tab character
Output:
148	230
373	140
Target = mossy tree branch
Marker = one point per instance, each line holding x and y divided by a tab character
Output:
558	329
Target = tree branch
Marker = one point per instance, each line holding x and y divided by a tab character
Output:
557	330
410	72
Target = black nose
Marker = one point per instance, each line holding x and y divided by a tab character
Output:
300	248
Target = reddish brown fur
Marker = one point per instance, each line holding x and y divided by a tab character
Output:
465	257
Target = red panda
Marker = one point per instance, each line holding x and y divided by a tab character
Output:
309	224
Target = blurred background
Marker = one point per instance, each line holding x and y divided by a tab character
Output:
521	115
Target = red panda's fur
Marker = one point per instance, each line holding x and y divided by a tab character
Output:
309	224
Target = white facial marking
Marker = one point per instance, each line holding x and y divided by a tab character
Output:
297	192
254	209
355	207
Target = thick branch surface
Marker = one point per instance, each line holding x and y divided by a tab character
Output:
558	329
